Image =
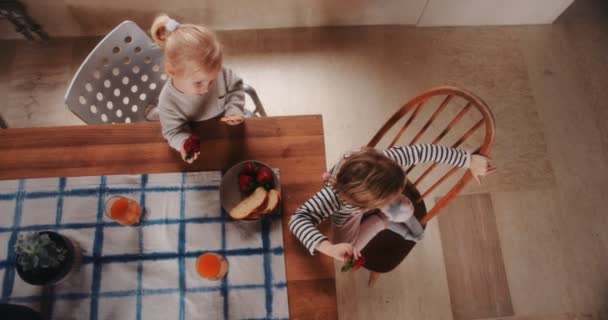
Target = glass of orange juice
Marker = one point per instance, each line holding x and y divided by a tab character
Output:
211	266
123	210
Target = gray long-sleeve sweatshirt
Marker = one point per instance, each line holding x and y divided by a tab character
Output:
177	110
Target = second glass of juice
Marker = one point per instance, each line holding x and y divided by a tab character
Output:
123	210
211	266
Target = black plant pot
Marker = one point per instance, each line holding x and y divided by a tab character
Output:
17	312
48	276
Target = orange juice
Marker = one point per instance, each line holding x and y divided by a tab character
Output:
123	210
211	266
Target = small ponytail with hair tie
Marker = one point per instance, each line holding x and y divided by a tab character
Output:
161	28
171	25
188	48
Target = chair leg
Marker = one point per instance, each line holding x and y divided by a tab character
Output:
373	278
3	124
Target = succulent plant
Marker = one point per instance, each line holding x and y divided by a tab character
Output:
36	250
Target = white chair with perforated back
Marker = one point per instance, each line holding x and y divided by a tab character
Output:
122	78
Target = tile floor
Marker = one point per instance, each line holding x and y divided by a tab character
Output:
544	84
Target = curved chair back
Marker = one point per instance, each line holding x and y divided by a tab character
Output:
119	79
460	102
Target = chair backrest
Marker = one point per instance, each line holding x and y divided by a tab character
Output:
259	108
122	77
119	79
456	103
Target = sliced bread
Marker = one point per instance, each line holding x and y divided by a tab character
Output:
273	201
250	204
259	212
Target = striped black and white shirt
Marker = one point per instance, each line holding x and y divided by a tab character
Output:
326	203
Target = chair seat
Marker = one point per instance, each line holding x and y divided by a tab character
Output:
385	251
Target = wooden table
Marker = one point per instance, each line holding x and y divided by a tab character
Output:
293	144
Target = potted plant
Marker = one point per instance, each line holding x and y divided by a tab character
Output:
14	311
45	257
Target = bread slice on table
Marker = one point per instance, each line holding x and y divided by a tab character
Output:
273	201
259	212
255	215
250	204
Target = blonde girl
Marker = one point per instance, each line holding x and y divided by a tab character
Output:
368	180
199	87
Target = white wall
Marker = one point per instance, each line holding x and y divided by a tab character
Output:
491	12
61	18
97	17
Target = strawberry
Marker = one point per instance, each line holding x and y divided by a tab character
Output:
192	145
249	167
359	263
351	264
246	183
264	176
347	265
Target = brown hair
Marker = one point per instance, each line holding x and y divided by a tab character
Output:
189	48
368	179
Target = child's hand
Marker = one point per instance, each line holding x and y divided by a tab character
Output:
233	120
480	166
339	251
191	160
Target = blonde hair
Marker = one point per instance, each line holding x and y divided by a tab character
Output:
368	179
189	48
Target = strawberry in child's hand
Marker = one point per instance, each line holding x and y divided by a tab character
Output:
351	264
246	183
192	145
264	176
348	264
349	261
359	263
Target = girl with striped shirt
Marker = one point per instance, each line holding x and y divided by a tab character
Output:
368	180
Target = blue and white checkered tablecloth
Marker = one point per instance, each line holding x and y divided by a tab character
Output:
147	272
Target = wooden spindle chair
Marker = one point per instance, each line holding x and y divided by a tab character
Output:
387	249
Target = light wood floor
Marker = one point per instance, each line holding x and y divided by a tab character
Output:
546	86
